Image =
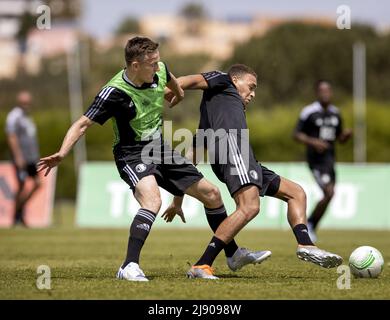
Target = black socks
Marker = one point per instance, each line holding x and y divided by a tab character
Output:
215	218
302	235
139	231
213	249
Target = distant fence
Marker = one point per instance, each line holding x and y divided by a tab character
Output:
362	199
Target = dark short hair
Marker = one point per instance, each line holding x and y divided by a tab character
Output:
138	47
240	70
319	82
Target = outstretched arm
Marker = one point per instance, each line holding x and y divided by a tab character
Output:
176	92
345	135
318	144
191	82
75	132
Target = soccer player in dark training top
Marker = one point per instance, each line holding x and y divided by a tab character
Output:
319	127
223	126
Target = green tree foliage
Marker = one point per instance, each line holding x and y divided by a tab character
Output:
288	59
193	11
292	57
128	26
65	9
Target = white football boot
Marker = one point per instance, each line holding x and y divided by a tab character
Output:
132	272
319	257
243	257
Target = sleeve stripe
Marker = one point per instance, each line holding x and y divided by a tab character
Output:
92	112
103	95
212	74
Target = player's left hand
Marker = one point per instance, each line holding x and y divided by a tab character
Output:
175	100
168	95
173	97
171	212
346	135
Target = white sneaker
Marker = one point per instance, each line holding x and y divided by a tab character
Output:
131	272
312	232
243	256
320	257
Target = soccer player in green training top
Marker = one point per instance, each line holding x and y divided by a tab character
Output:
133	99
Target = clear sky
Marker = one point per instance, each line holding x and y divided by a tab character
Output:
100	18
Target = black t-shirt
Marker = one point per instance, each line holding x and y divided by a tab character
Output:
221	106
222	111
325	124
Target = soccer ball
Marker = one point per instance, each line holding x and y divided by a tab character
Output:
366	262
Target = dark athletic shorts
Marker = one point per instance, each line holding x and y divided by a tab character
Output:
29	171
324	174
173	172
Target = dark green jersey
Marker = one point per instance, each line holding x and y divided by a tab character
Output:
136	112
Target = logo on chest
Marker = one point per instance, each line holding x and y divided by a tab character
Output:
329	121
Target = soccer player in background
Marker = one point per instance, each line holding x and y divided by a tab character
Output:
225	99
133	99
23	143
319	127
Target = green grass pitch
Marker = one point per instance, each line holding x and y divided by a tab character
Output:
83	264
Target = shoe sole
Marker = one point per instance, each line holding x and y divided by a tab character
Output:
136	280
120	277
327	262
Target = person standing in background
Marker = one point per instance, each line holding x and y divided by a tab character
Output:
23	143
319	127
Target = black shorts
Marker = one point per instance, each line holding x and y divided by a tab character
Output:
173	172
266	180
30	170
233	162
324	174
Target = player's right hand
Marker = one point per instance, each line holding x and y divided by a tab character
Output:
171	212
49	162
320	145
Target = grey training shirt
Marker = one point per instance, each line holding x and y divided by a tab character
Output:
20	124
